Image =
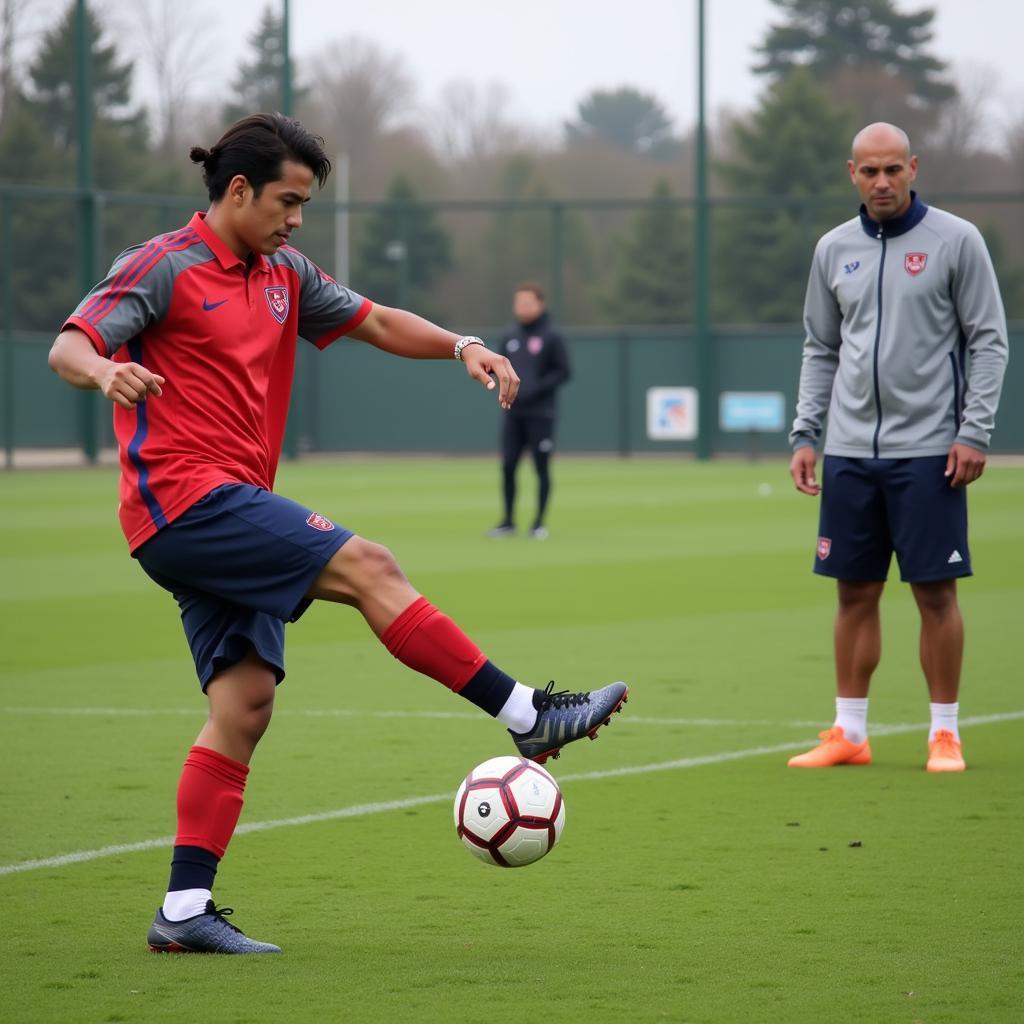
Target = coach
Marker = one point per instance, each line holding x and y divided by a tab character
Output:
905	350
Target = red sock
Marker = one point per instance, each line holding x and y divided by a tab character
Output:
429	642
209	799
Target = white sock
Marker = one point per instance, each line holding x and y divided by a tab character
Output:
518	712
852	715
944	716
185	903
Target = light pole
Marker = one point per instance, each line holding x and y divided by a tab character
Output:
706	399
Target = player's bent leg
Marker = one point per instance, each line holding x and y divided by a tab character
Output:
366	576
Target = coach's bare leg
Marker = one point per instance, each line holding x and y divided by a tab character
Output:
857	636
241	703
366	576
942	638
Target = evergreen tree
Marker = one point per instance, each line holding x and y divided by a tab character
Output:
827	35
626	119
867	54
793	147
52	77
258	83
40	145
654	277
403	252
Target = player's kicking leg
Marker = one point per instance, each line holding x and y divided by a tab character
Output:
541	722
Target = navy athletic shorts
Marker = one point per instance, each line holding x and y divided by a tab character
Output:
873	507
239	563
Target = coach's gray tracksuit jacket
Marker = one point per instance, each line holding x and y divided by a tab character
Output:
906	338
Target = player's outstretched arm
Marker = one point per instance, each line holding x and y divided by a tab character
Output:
405	334
73	359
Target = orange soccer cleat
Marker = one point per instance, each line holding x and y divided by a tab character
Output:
944	753
836	749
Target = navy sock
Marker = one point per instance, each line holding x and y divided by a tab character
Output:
489	689
192	867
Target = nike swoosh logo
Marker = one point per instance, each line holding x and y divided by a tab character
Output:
207	305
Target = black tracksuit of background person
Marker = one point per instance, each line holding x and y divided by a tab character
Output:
540	356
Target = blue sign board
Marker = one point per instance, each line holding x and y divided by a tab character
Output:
760	411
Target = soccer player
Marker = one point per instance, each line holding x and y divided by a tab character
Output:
539	356
192	337
906	349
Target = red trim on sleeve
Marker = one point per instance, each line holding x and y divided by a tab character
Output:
87	328
349	325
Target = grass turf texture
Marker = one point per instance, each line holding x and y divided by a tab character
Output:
718	890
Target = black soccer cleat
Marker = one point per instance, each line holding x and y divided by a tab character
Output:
563	717
208	932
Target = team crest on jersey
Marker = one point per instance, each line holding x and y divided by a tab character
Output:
277	300
824	547
513	345
914	262
317	521
535	344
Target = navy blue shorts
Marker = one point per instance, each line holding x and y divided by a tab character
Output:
872	507
239	563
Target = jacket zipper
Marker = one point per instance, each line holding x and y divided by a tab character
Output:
878	340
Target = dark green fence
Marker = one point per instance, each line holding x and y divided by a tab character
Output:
353	398
350	399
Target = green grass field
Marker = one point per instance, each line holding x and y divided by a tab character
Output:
698	878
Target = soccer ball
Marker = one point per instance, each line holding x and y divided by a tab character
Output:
509	811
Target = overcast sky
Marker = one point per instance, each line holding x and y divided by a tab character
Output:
550	53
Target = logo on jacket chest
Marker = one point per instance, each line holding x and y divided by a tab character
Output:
914	262
277	300
534	345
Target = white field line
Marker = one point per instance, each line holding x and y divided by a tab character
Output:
362	810
354	713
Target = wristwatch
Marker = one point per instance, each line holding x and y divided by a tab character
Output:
463	342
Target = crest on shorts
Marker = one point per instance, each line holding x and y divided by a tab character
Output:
535	344
277	300
914	262
319	522
824	547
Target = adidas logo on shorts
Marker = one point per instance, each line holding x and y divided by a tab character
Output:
954	558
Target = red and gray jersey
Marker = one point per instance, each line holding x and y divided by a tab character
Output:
223	335
906	342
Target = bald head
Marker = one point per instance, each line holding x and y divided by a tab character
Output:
881	135
882	169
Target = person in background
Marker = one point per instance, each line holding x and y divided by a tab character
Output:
538	353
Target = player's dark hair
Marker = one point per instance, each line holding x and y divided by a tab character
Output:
532	287
257	146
